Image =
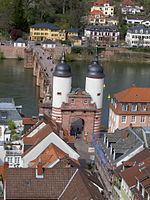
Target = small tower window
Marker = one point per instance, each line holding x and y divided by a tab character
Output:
98	94
58	93
72	101
85	101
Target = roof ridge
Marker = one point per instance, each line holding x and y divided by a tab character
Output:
70	180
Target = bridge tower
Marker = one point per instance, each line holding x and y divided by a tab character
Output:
62	80
94	86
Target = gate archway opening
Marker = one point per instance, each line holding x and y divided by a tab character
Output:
77	126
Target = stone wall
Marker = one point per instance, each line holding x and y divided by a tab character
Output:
12	52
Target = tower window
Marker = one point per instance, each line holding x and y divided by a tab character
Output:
58	93
98	94
85	101
72	101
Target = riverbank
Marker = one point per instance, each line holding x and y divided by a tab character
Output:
114	54
106	54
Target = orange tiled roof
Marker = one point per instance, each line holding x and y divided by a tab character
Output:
101	2
128	3
97	12
29	121
130	174
49	155
38	137
133	94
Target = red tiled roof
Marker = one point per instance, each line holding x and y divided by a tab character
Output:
29	121
37	138
101	2
130	174
133	94
48	156
97	12
127	3
62	183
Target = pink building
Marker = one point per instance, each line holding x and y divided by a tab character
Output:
131	106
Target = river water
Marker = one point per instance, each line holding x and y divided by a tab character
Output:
17	82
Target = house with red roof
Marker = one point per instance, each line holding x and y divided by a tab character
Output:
129	7
96	17
104	6
131	106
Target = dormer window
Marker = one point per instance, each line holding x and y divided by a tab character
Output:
124	107
134	107
143	106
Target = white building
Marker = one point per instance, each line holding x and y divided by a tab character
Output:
8	112
48	44
136	20
138	36
104	6
39	138
20	43
102	34
129	7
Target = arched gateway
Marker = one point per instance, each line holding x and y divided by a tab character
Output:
79	106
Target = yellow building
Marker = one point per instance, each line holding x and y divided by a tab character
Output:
46	31
72	32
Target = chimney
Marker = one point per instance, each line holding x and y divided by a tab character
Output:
39	171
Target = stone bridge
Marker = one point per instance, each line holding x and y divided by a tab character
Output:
43	62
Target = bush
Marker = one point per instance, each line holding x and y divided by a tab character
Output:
1	55
77	50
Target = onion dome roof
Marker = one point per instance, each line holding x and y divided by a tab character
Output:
62	69
95	70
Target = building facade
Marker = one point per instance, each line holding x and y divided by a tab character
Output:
104	6
46	31
138	36
131	106
102	34
96	17
136	20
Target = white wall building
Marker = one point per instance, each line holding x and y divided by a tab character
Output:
20	43
104	6
9	112
103	34
48	44
138	36
136	20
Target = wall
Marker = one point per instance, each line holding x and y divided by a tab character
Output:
12	52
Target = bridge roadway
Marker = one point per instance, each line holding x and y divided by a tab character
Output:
43	62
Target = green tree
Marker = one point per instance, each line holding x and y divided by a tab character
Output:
18	16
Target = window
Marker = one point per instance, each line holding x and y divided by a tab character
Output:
143	107
134	107
124	107
123	120
98	94
58	93
72	101
85	101
133	119
143	119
